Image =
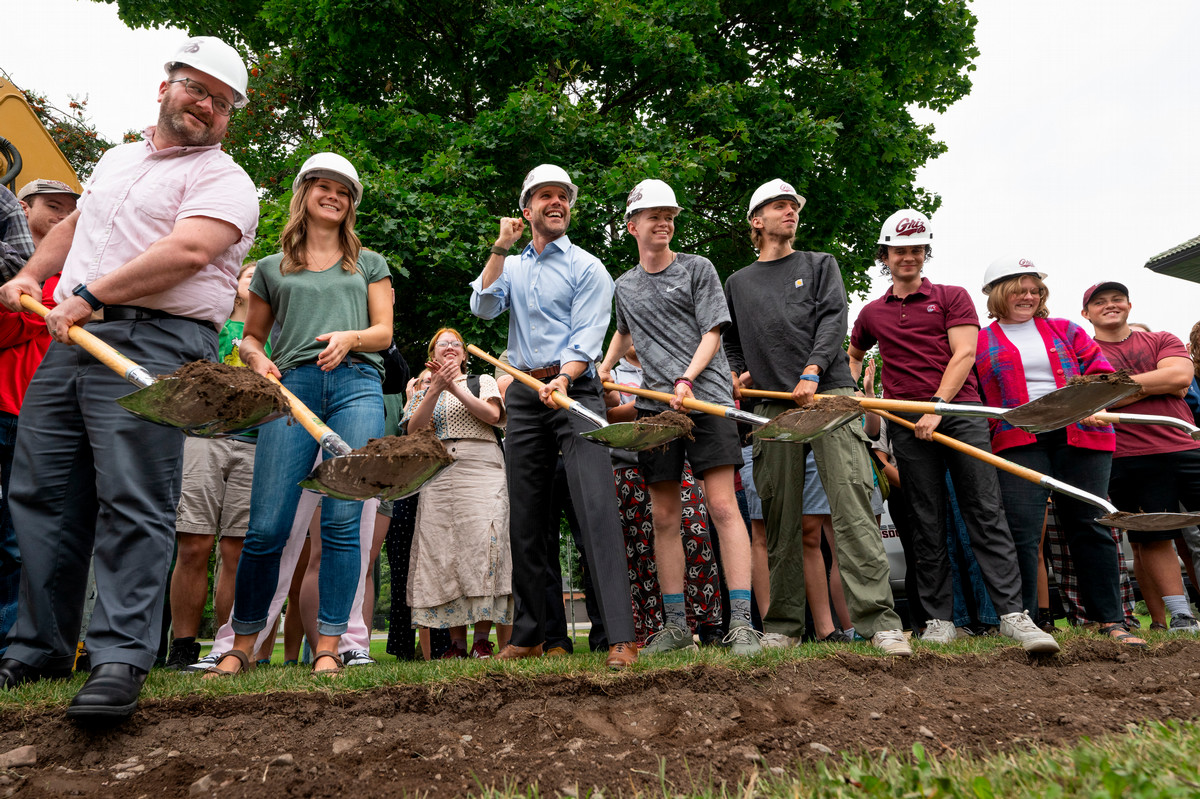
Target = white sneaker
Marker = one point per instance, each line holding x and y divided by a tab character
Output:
939	631
357	657
777	641
891	642
1020	628
204	663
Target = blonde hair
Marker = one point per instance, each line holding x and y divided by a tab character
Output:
294	238
999	305
433	341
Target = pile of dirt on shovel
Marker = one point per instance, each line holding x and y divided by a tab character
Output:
667	419
422	444
201	391
835	403
1120	377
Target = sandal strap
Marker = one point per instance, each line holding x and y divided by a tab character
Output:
327	653
244	664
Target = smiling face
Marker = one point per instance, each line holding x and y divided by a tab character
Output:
448	347
905	262
44	211
653	228
549	211
185	121
1108	309
1024	297
328	201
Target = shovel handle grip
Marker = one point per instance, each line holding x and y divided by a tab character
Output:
95	347
903	406
562	399
662	396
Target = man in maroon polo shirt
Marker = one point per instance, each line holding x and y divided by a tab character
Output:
926	334
1155	468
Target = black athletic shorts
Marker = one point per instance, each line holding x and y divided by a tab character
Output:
716	444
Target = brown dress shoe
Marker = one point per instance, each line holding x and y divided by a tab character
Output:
514	652
622	655
556	652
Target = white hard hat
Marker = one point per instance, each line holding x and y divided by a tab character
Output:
772	190
650	194
548	173
1010	266
213	57
333	166
906	226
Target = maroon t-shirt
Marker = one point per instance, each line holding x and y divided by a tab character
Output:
1139	353
912	338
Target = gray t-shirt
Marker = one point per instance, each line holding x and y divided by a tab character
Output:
308	304
667	313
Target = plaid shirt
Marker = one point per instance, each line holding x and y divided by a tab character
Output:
16	243
1064	575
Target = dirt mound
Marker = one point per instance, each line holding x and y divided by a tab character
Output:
201	391
707	724
1121	377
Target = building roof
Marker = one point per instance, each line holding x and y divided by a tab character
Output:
1182	261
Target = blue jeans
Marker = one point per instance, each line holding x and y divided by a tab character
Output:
957	540
10	556
350	400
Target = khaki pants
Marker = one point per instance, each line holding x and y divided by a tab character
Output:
845	469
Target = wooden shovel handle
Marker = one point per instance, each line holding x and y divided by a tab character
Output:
97	348
532	382
975	452
903	406
307	419
662	396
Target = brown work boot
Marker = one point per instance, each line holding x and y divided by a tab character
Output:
622	655
514	652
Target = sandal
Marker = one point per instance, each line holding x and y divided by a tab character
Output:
244	665
1120	633
335	671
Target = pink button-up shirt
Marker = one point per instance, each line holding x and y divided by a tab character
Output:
134	198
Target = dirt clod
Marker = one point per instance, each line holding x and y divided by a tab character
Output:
834	403
1120	377
667	419
201	391
420	444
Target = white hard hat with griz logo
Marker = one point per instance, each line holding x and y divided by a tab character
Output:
213	57
906	226
547	173
650	193
1010	266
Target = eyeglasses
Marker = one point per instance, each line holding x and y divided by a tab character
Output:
199	93
1039	292
454	345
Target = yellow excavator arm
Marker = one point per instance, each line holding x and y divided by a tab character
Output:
27	151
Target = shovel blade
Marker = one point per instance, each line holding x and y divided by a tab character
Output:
164	403
633	436
361	477
1150	522
1067	405
799	425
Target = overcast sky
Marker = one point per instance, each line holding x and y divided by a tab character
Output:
1075	148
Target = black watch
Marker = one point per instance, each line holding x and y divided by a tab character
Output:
936	399
570	380
82	291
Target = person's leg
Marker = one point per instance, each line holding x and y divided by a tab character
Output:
837	596
1025	509
380	533
293	622
668	548
760	576
10	555
398	545
638	530
702	582
189	583
309	593
815	579
231	553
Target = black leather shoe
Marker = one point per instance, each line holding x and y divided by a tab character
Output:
109	695
14	673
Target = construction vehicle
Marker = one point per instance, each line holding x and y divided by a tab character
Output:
27	151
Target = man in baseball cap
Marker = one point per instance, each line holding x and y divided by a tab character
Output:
46	203
1106	285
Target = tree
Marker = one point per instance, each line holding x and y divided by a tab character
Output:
444	107
72	130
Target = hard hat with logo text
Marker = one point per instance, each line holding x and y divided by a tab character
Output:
650	193
547	173
773	190
213	57
334	167
1006	267
906	226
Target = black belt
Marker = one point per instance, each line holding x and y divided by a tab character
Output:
134	313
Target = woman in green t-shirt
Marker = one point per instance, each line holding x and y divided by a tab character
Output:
333	302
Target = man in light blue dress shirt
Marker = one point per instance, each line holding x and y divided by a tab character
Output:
559	299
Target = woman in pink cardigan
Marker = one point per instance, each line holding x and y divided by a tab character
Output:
1021	356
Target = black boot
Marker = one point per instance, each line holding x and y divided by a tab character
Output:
110	694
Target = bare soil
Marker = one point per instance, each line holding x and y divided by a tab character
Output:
201	391
703	722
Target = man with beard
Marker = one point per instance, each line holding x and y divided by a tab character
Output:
789	319
149	263
559	299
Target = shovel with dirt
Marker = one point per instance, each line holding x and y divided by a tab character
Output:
1150	522
798	426
1076	400
201	398
648	433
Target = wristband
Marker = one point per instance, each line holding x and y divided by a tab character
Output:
679	380
811	378
496	249
936	399
82	292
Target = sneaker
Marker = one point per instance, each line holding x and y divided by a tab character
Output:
455	652
357	657
183	652
891	642
743	639
777	641
1045	620
205	663
838	636
1184	623
484	650
670	638
939	631
1155	627
1020	628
